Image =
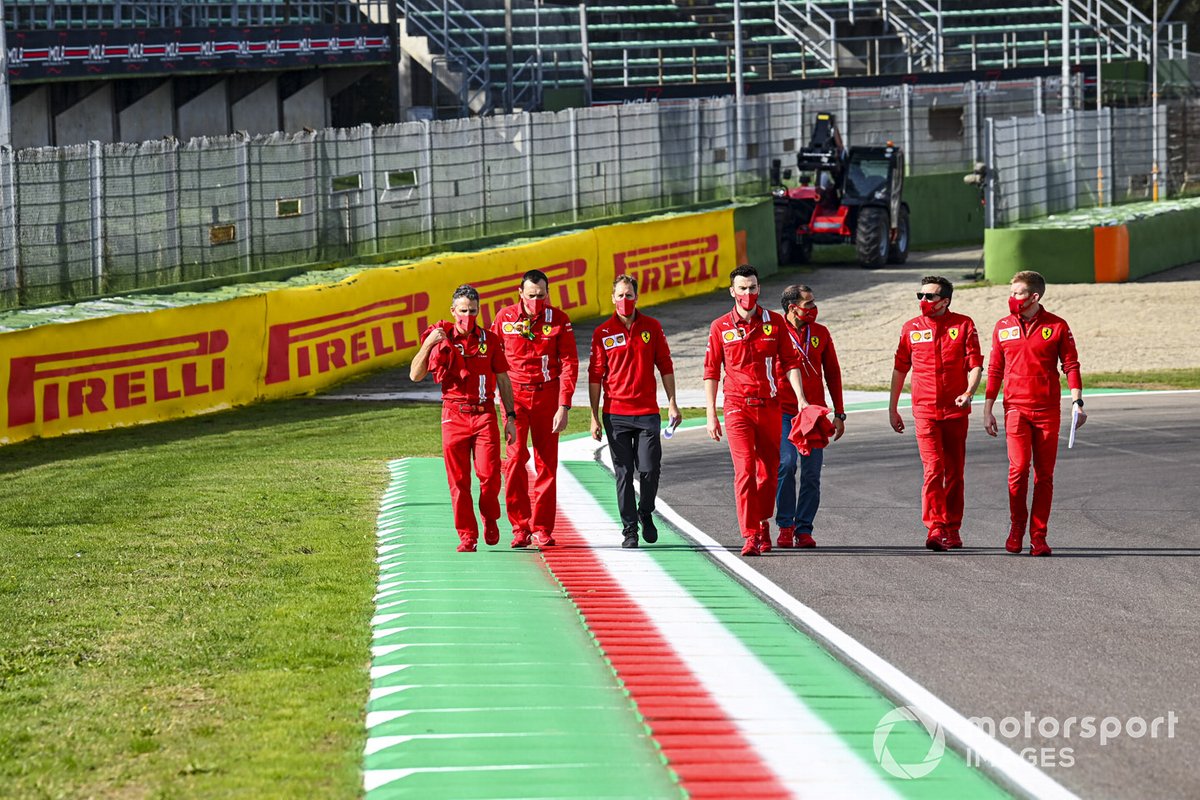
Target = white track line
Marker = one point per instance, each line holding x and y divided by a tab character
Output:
1001	763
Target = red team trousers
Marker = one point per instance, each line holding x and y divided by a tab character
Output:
533	511
753	432
470	433
1032	436
943	447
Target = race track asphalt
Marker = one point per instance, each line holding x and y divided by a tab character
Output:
1106	627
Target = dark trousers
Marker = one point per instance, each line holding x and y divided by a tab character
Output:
635	448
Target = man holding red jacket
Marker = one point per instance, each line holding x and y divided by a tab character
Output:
625	351
942	350
1027	347
753	348
794	514
469	364
539	344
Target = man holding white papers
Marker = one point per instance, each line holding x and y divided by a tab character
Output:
1027	348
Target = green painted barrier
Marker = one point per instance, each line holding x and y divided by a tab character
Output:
1062	255
755	225
942	210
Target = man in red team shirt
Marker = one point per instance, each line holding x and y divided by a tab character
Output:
753	347
625	350
539	343
469	364
1027	347
942	349
794	513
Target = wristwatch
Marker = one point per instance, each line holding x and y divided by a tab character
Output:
842	417
1079	402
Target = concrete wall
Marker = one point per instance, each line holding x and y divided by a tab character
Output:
152	117
91	119
258	112
206	114
306	108
31	120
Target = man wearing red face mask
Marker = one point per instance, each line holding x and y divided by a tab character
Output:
539	343
1027	347
752	346
795	512
469	364
942	350
625	351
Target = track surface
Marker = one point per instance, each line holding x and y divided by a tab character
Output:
1106	627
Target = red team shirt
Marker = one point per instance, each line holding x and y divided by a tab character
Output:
466	364
757	354
549	355
1026	355
818	359
623	361
939	351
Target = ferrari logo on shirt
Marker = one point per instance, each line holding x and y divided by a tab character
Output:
767	329
1047	333
733	335
814	341
546	330
921	336
483	348
614	341
953	333
646	337
1010	333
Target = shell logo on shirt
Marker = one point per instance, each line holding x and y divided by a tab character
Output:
1047	333
733	335
921	336
614	341
515	328
646	337
953	333
1010	333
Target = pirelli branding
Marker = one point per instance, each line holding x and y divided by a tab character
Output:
346	338
76	383
670	265
568	289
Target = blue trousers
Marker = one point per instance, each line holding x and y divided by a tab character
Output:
794	509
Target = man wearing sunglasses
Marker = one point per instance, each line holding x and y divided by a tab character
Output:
941	348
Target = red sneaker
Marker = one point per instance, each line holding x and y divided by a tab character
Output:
952	539
764	537
805	540
466	544
521	539
785	539
750	546
1015	541
1038	546
491	532
543	539
935	542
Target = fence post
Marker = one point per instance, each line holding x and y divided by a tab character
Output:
973	110
96	173
428	183
371	207
620	164
245	230
906	124
528	171
573	132
1073	157
989	155
483	171
10	269
731	143
697	154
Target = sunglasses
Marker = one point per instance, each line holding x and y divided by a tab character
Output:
928	296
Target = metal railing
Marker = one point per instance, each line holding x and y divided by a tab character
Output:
463	41
812	27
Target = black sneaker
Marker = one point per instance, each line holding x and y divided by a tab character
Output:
649	532
631	537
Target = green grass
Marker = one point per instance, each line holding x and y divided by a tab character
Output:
1149	379
186	605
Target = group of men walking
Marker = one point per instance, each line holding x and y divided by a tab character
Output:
775	369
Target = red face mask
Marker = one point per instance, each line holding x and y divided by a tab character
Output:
806	315
534	306
464	322
625	305
929	307
747	302
1015	306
